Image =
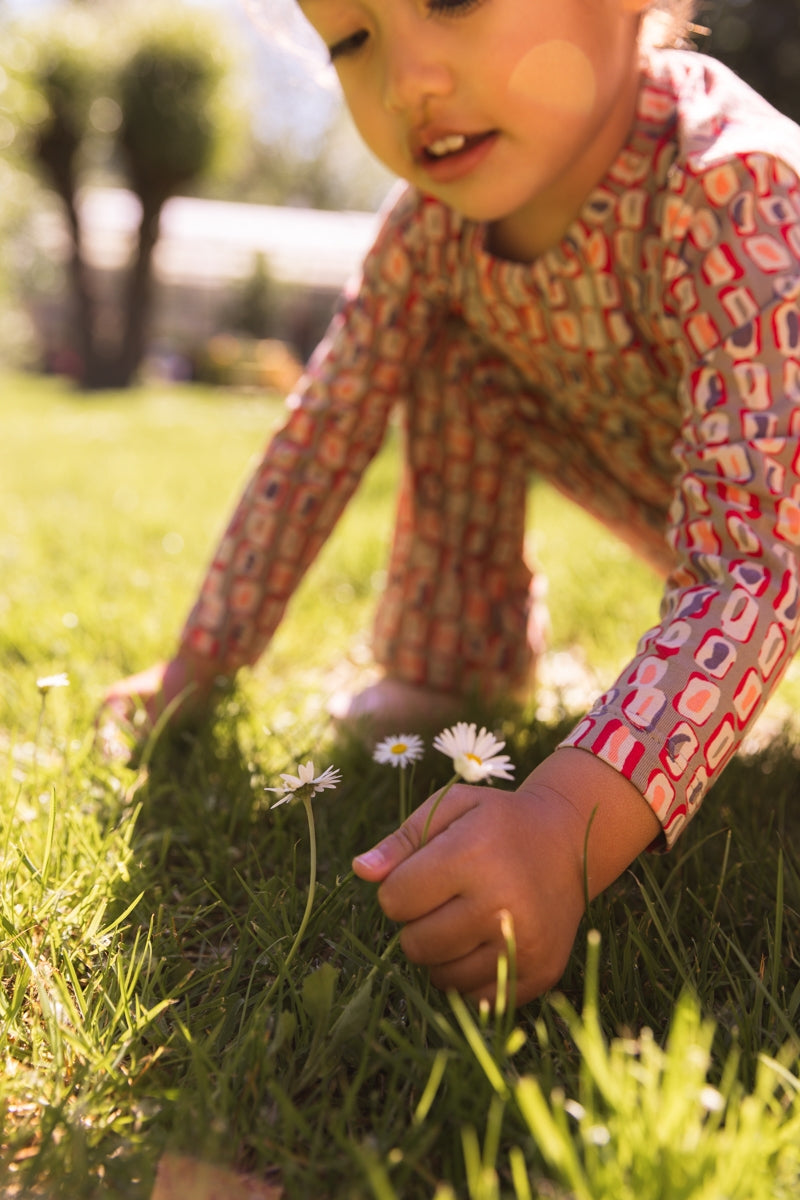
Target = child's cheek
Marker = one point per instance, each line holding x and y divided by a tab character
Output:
556	75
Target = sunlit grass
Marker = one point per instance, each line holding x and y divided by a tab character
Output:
146	1003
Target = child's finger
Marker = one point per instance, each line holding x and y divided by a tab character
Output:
375	864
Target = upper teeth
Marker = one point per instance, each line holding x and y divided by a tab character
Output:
447	145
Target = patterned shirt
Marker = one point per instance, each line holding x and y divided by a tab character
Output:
648	366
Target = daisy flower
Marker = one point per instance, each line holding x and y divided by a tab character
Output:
399	750
52	681
305	784
474	753
475	758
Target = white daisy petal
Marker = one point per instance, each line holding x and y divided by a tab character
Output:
486	744
306	773
451	741
52	681
285	798
291	783
330	778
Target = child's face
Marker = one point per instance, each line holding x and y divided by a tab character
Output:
507	110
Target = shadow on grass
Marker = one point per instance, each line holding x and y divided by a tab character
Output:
314	1076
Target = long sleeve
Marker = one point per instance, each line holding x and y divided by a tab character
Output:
729	627
313	465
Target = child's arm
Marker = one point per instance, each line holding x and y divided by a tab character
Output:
522	852
305	478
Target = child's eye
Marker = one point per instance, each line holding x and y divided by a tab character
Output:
454	7
348	45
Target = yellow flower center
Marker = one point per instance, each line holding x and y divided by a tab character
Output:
399	748
474	758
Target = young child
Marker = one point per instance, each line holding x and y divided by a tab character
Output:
593	276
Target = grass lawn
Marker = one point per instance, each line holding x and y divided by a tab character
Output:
146	1003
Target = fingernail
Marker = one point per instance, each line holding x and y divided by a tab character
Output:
372	858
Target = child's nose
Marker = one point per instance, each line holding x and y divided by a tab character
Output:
414	74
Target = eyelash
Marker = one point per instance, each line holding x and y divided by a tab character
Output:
348	45
455	8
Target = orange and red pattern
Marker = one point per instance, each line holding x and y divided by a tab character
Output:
648	367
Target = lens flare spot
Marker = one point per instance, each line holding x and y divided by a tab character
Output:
556	75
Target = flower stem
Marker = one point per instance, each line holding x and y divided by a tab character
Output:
312	884
403	795
434	806
387	952
39	724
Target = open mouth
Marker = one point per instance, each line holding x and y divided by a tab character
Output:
453	144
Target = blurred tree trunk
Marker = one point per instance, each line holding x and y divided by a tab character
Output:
57	149
139	290
166	84
168	136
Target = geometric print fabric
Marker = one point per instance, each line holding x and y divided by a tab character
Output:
648	367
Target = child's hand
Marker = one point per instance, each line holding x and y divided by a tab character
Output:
489	851
133	705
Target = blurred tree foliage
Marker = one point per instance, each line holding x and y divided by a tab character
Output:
18	104
149	89
338	174
63	75
760	40
172	130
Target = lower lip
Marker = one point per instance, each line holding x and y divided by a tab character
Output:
455	166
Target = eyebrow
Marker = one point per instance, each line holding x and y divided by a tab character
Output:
313	3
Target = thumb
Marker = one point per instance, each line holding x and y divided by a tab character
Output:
375	864
448	805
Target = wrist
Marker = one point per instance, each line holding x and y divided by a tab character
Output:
198	668
196	676
613	821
